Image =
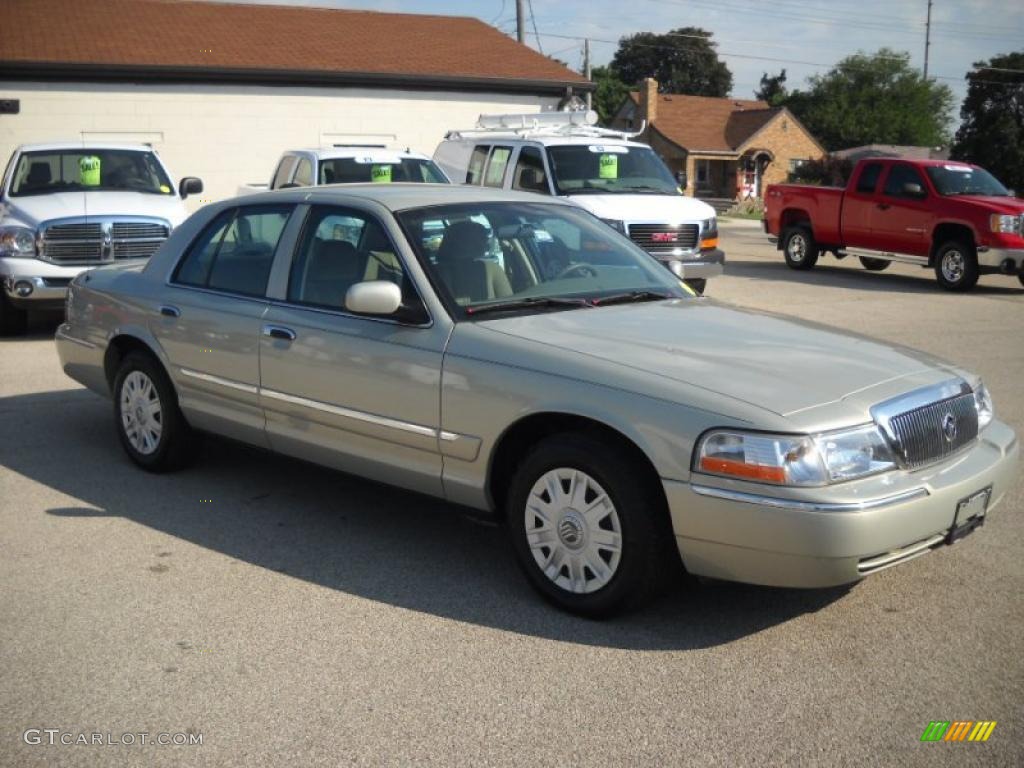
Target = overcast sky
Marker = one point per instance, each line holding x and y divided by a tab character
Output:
799	34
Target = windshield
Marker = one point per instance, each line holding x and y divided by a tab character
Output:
87	170
352	170
530	257
965	180
609	169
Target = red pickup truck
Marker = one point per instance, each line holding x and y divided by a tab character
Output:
952	217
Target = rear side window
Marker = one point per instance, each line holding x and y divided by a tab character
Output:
284	171
496	167
477	161
235	252
900	175
869	178
304	173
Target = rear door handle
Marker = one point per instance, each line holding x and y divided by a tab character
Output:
168	311
279	332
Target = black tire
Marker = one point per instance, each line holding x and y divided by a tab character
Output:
874	265
956	265
1021	278
176	444
698	284
13	320
645	535
799	248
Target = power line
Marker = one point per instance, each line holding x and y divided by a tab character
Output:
533	20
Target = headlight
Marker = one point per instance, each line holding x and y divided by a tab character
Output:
615	224
1004	224
802	460
983	402
19	242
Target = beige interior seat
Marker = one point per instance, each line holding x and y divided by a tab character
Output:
464	268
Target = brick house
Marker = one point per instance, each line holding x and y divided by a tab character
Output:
221	89
729	148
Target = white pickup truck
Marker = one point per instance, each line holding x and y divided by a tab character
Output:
68	207
348	164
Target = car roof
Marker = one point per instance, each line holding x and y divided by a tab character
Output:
79	144
547	140
401	196
354	150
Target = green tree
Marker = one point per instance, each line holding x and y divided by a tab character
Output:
773	89
682	61
610	93
992	132
874	99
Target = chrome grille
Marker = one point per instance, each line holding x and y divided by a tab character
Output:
75	232
135	250
919	434
102	239
138	231
73	251
665	237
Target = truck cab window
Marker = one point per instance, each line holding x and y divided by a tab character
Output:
900	175
869	178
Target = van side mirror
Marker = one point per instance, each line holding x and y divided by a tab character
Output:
912	189
533	180
190	185
681	179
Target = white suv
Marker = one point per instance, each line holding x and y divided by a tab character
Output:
623	182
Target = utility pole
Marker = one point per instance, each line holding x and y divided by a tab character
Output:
586	70
927	38
521	20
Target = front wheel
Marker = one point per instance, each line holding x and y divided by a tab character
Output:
13	320
588	533
1021	278
874	265
956	266
799	248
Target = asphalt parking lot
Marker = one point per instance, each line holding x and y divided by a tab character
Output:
292	615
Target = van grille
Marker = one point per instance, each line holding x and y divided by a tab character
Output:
921	434
665	238
102	240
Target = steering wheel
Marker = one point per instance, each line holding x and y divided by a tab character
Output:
585	270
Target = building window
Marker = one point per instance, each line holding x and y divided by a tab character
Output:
702	171
796	163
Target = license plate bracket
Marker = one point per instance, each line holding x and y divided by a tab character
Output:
970	514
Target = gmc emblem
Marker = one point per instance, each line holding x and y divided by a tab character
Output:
664	237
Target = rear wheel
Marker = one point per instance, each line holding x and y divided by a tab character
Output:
874	265
590	536
956	265
799	248
152	429
13	320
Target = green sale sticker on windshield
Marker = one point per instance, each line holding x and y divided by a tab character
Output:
608	167
380	174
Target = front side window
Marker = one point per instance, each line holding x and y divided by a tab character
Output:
529	174
899	175
86	170
360	170
953	179
539	255
339	248
235	251
580	169
869	178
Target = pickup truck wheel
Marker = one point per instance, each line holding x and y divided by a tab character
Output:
1021	278
956	266
13	320
584	531
152	429
799	248
874	265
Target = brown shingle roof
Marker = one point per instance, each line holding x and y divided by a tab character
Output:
707	123
147	36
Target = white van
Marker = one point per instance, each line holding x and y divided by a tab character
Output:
621	181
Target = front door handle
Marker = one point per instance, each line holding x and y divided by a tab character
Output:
279	332
883	206
168	311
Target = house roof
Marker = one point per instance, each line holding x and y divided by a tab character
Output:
707	123
277	44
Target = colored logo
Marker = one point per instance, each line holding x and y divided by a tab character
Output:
664	237
958	730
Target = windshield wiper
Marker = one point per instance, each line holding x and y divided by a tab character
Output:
530	303
632	296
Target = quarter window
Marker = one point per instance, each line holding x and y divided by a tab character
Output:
869	178
496	167
284	171
477	161
304	173
235	252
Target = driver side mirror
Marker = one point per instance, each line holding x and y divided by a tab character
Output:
681	179
374	297
190	185
912	189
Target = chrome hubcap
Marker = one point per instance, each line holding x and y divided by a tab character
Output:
141	414
573	530
797	247
953	266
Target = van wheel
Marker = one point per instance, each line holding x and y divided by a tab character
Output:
149	423
799	248
874	265
956	265
13	320
589	537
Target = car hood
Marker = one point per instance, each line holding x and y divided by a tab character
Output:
772	362
656	209
1007	205
32	210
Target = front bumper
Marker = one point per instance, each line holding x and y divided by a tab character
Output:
996	258
824	537
36	284
698	266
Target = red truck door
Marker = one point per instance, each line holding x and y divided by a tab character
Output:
902	217
859	207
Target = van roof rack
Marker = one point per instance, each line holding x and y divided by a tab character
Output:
581	123
361	146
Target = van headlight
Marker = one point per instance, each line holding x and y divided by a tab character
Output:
19	242
799	460
983	402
